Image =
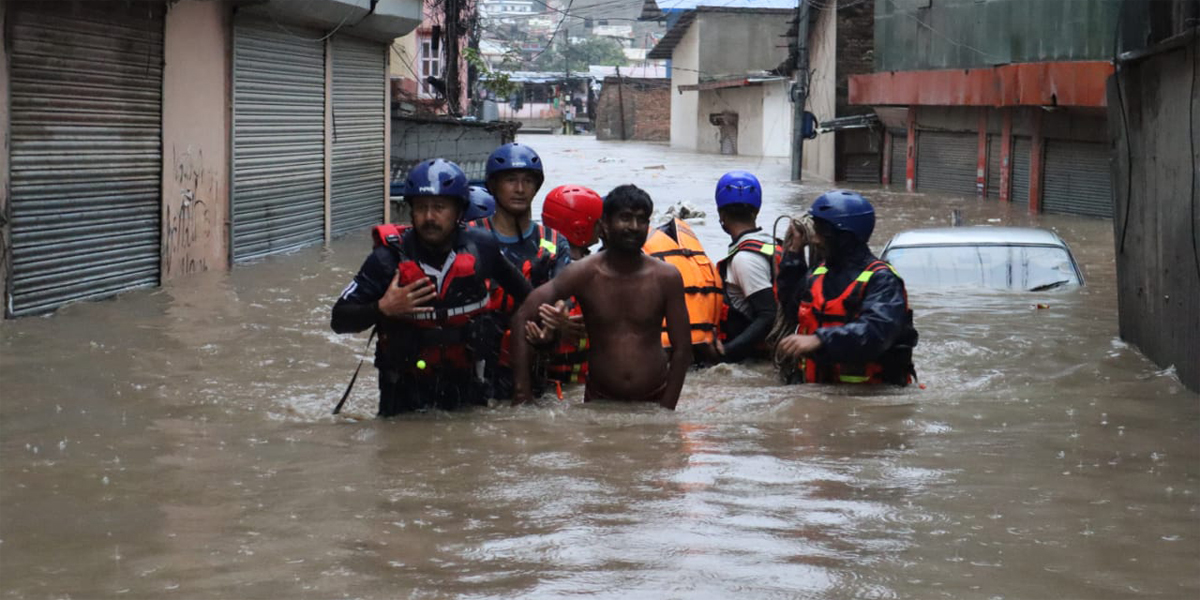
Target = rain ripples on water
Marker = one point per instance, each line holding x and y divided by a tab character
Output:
177	442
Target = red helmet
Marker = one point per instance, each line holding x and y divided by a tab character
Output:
573	211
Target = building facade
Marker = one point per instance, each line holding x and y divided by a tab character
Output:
723	101
995	99
150	140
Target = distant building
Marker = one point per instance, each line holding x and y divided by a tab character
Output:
727	101
419	66
985	99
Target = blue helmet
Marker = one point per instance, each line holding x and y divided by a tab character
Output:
845	211
482	205
514	157
437	177
739	187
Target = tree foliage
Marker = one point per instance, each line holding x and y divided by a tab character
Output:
578	56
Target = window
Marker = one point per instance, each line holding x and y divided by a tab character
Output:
431	64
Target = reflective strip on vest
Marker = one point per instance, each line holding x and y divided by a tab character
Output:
854	378
447	313
548	246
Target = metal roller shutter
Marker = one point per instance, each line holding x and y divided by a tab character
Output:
899	164
946	162
1078	179
995	145
862	168
278	138
1021	153
86	153
359	110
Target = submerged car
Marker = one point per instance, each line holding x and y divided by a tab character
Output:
1006	258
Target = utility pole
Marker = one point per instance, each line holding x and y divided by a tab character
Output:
453	89
800	88
621	101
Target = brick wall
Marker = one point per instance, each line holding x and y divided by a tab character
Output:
647	109
855	49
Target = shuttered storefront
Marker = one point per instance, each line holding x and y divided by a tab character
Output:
994	149
1021	153
946	162
359	110
897	170
278	138
863	168
1077	179
86	159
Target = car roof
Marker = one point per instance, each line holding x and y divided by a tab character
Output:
975	234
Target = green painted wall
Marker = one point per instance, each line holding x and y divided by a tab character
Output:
944	34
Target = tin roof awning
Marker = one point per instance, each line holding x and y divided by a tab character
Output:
730	82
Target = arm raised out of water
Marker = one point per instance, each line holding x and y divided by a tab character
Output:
560	288
679	333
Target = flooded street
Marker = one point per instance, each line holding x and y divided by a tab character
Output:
177	443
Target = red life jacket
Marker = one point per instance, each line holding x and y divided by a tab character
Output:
822	312
774	256
567	363
536	270
428	342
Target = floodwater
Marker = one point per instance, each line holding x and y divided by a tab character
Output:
177	443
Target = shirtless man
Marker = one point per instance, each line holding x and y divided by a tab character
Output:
624	295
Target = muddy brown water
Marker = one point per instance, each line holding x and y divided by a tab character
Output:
177	443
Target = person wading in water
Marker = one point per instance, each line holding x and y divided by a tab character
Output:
625	295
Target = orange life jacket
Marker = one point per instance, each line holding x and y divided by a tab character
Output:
822	312
678	245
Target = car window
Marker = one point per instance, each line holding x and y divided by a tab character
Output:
996	267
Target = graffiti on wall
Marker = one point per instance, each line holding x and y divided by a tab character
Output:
190	223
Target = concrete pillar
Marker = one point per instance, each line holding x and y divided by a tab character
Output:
910	166
982	162
196	129
1006	155
886	176
1035	164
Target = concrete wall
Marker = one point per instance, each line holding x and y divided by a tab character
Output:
1158	269
747	103
5	216
414	140
195	137
685	65
736	43
818	161
777	120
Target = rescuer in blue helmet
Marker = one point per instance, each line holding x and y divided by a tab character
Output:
853	320
424	290
481	204
514	174
747	271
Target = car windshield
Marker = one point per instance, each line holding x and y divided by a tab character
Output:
1003	267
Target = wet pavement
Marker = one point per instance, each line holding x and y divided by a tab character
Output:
177	443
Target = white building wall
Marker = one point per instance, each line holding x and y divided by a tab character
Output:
747	103
822	95
777	120
685	66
